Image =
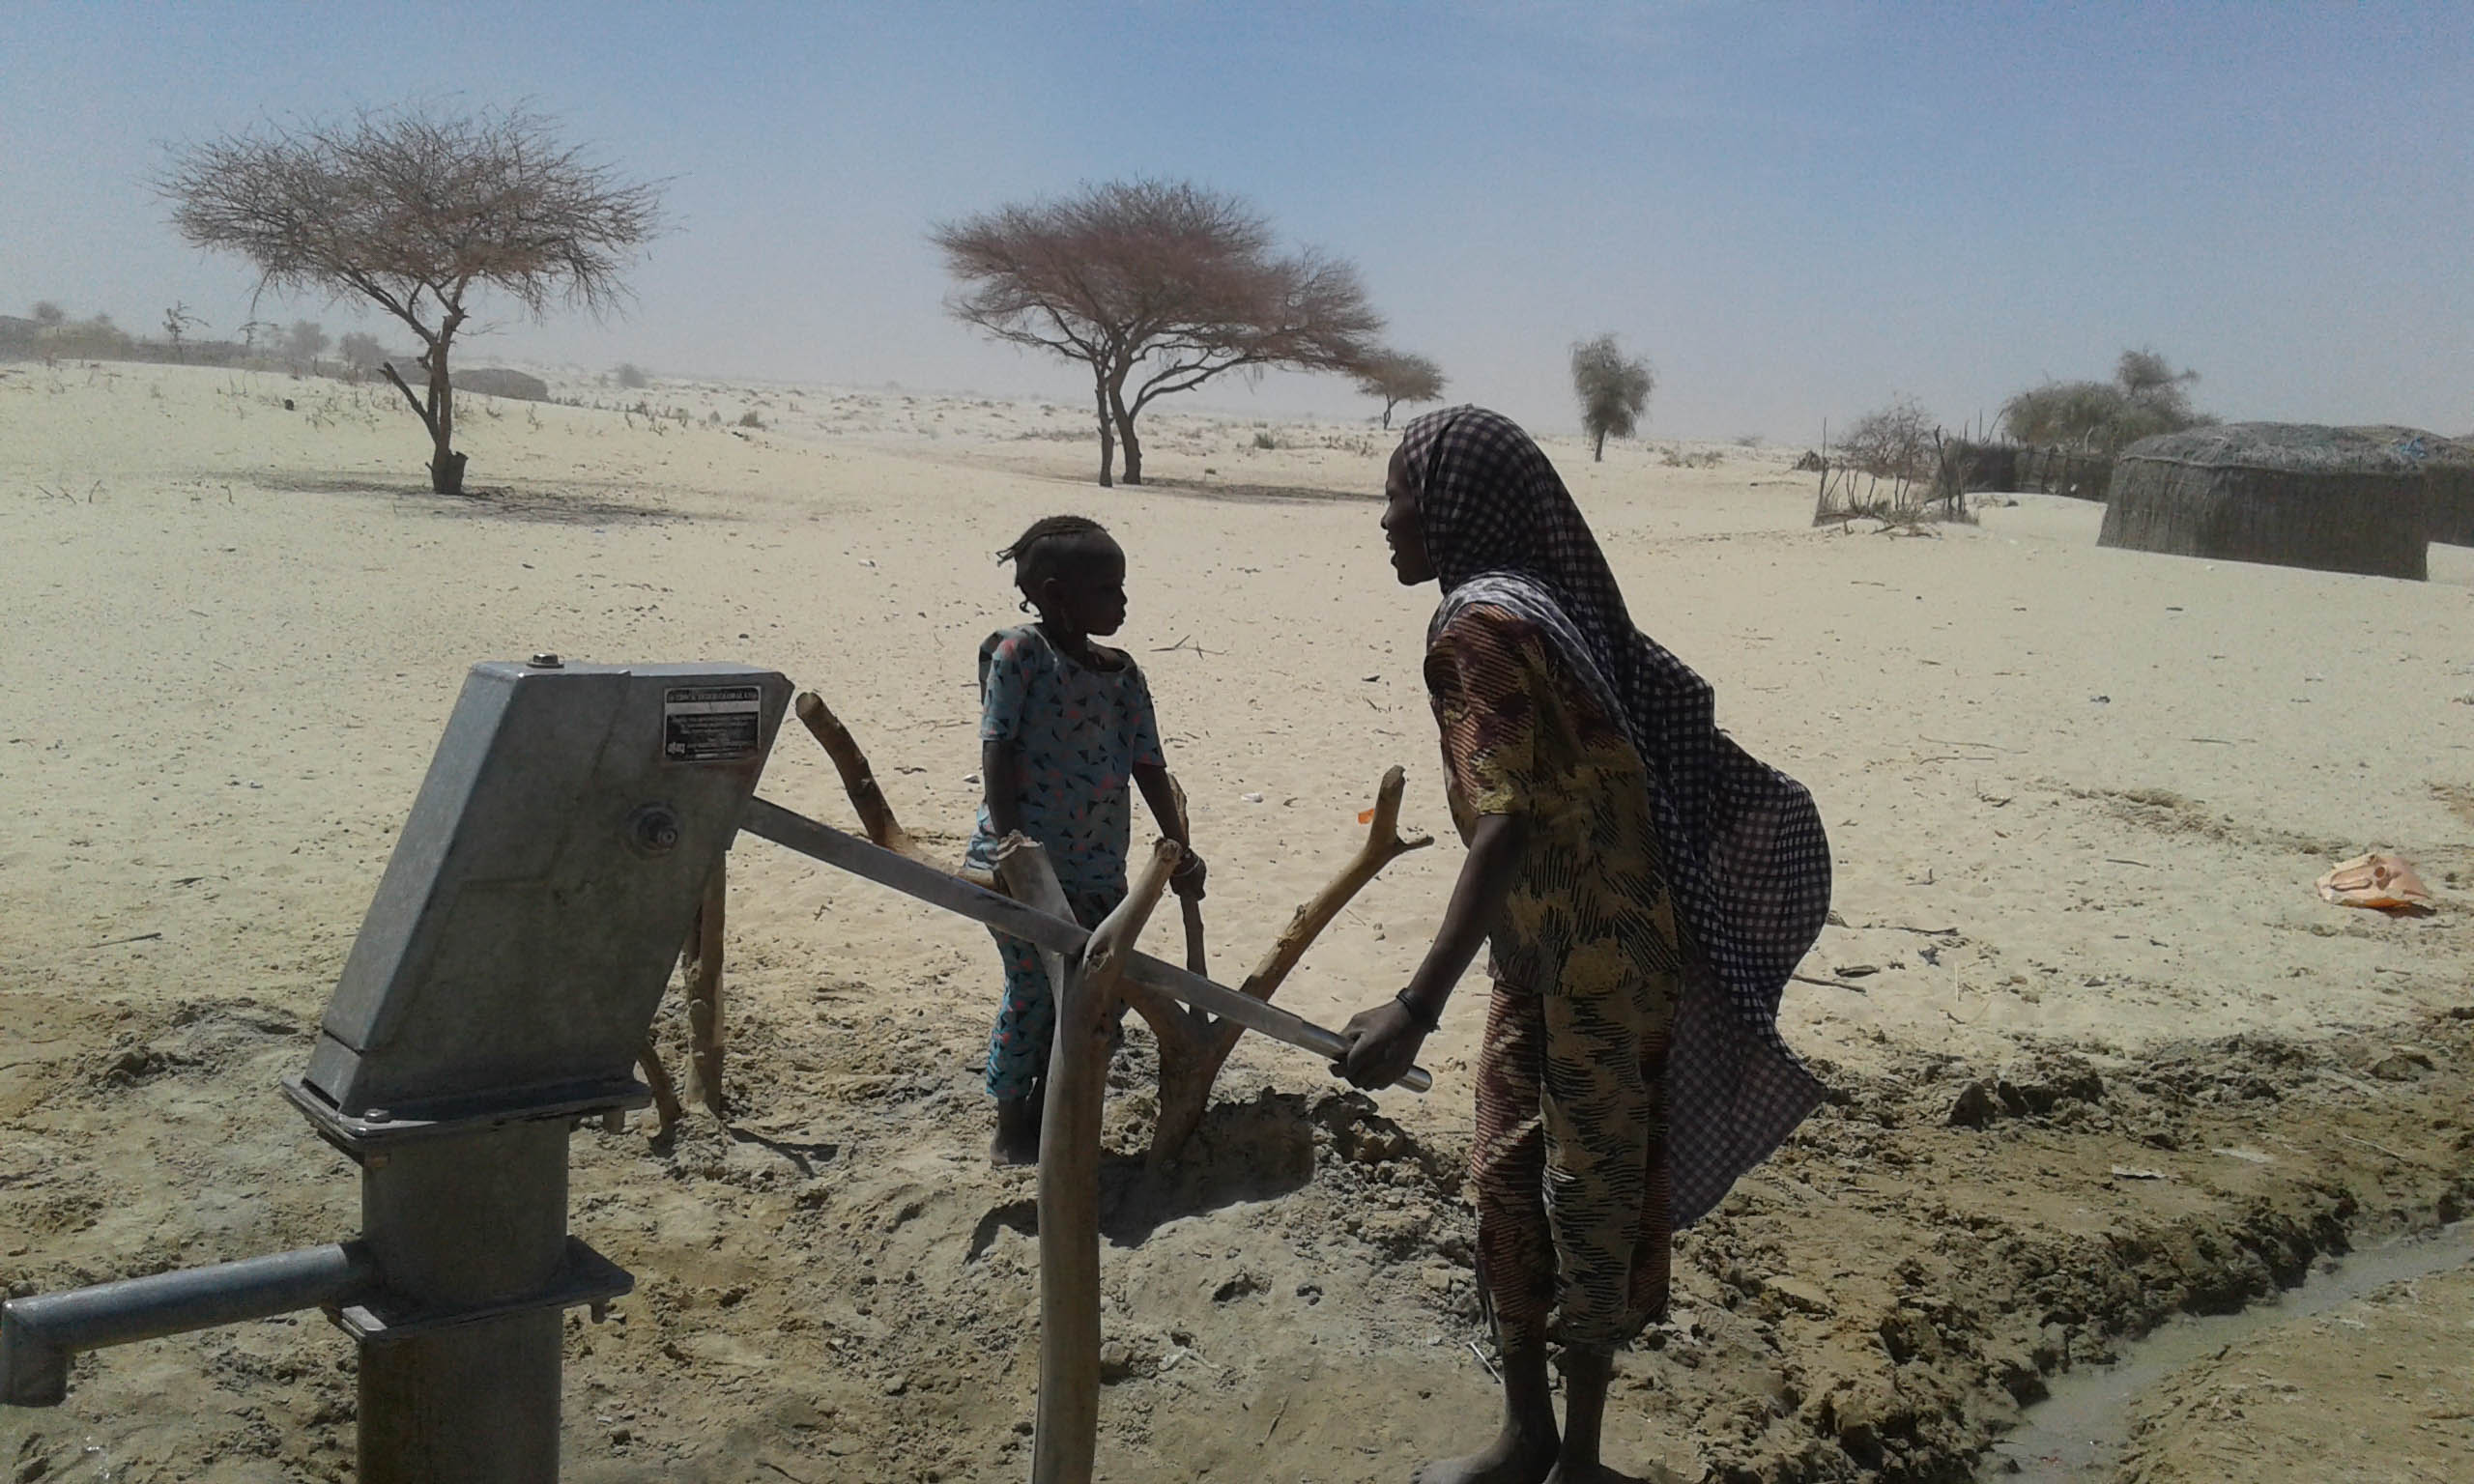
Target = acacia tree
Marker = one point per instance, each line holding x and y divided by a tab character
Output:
1612	390
1158	286
418	213
1398	377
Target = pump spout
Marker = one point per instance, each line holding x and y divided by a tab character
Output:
40	1335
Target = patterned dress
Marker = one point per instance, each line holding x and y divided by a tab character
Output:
1569	1165
1075	736
1740	843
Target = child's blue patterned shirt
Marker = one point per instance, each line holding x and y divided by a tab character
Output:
1076	736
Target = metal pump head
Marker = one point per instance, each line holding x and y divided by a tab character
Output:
525	925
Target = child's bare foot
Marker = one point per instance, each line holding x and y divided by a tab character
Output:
1018	1132
1515	1457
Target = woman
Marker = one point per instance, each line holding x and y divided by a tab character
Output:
1647	888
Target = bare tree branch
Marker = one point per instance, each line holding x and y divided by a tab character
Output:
418	411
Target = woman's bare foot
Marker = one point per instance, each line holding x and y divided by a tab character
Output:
1018	1132
1516	1457
1586	1373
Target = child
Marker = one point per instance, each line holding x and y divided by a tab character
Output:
1065	723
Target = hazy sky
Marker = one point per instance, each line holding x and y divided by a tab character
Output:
1795	211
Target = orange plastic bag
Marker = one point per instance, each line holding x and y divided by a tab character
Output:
2383	882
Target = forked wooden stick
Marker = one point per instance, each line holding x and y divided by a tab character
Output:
666	1104
702	968
701	957
1066	1418
859	781
1065	1435
1192	1045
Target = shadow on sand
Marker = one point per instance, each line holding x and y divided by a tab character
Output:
580	502
1263	494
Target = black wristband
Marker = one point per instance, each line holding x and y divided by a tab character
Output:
1417	1017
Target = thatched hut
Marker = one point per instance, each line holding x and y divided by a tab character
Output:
2452	478
500	382
2448	470
2296	494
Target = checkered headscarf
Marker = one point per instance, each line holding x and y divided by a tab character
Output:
1749	860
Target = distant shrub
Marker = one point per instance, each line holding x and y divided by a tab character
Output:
94	339
2145	397
1613	389
749	420
632	376
1265	440
305	342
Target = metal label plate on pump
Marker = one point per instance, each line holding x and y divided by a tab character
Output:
713	723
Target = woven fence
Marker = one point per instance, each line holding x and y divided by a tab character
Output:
2296	494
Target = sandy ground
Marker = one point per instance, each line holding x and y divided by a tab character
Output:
2078	798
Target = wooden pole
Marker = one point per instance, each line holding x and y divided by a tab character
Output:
703	974
1065	1436
1065	1428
